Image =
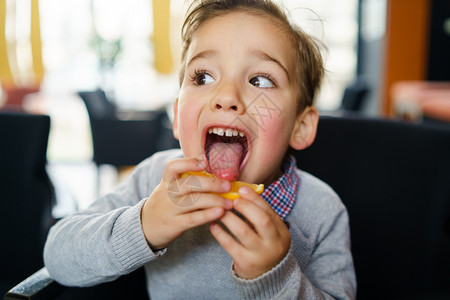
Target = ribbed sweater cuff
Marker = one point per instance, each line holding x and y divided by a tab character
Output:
128	240
269	284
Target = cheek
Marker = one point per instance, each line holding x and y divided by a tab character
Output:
275	130
272	143
185	118
187	128
274	137
277	127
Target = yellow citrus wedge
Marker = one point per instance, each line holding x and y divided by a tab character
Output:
235	185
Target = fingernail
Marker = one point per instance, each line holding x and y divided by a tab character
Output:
226	185
243	190
217	211
202	164
228	204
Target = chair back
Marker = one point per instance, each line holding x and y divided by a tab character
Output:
121	141
99	107
355	95
124	143
26	194
394	179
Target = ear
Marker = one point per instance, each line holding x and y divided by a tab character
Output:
175	120
305	129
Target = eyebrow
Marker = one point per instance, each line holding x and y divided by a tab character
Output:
267	57
203	54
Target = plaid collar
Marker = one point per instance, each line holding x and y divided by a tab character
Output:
282	193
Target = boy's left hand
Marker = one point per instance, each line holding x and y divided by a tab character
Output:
260	243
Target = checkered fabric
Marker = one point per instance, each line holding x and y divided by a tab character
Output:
281	194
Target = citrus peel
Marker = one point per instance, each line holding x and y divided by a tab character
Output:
235	185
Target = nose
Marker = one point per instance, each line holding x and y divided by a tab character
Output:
228	98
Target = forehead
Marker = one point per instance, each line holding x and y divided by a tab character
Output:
244	32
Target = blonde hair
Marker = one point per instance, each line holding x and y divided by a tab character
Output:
309	71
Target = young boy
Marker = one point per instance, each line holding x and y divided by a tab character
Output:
248	81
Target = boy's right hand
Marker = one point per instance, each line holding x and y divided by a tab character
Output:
176	206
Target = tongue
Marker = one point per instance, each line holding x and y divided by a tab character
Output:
224	160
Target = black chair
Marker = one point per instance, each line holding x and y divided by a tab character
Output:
394	179
125	138
355	95
27	195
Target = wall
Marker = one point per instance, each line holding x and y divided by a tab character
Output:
406	47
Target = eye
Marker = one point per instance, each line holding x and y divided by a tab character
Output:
202	78
262	81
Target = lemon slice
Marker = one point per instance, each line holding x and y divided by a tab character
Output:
235	185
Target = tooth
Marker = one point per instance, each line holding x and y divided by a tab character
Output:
210	130
241	134
229	132
235	132
215	130
220	131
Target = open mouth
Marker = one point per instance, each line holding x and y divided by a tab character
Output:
226	150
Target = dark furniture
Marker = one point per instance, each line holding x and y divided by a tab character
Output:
355	95
394	179
125	138
26	197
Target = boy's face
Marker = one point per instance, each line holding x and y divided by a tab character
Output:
238	102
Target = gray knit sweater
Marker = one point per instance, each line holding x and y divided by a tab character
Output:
106	240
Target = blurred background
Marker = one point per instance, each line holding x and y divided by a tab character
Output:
382	59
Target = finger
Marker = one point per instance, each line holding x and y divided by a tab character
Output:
199	192
199	217
200	184
176	167
197	201
249	194
264	222
241	230
233	247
